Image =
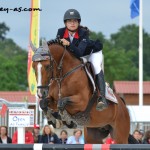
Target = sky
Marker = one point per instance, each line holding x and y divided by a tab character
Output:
106	16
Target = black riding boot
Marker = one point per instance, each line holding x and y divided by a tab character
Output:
100	82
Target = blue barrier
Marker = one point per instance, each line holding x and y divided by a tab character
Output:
74	147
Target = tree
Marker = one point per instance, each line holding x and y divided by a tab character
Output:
117	65
13	74
13	65
3	30
95	36
128	39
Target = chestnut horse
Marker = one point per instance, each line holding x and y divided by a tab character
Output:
71	94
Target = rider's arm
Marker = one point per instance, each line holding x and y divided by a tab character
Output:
80	49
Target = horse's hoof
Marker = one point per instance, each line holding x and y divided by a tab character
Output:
72	125
51	123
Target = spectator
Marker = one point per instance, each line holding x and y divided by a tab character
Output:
28	137
36	133
136	135
76	138
63	137
141	136
48	135
4	138
146	139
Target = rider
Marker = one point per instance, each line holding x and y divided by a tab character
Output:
77	39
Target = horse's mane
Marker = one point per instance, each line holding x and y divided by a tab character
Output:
57	41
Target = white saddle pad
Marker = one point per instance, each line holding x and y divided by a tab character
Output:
109	94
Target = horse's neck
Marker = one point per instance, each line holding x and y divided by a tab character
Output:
82	91
69	61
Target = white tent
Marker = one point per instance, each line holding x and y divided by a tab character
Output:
139	113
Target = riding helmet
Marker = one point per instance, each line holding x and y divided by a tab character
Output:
72	14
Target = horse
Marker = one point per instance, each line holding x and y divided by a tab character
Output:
71	94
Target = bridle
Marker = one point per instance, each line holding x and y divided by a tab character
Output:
59	70
59	77
40	55
49	69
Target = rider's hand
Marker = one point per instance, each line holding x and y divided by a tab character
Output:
65	42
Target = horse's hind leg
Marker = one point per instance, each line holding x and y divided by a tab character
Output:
120	132
94	135
120	137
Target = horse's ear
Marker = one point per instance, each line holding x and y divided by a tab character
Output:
33	47
45	46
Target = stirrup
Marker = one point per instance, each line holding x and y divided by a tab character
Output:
101	105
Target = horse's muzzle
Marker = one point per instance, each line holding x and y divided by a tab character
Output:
42	93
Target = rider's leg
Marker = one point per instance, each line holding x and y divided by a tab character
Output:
102	102
96	60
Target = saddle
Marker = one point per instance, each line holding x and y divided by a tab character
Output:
91	76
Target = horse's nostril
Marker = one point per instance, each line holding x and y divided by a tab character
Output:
44	93
39	95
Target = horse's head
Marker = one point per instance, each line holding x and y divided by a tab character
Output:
41	65
54	65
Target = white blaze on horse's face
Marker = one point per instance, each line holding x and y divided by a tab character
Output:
39	78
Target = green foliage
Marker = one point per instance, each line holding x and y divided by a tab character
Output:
98	35
3	30
117	65
13	66
128	39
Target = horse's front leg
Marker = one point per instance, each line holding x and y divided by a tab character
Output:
66	118
62	103
57	123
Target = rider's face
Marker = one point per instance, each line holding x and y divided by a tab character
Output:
72	24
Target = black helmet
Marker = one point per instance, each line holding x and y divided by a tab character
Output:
72	14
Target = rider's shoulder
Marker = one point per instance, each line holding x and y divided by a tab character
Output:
83	31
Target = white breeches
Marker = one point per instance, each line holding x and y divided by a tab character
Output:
96	61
